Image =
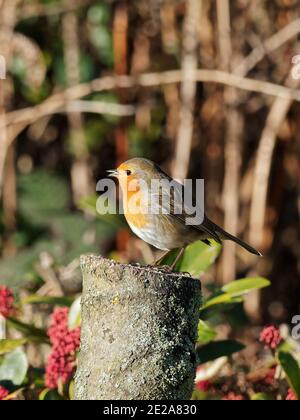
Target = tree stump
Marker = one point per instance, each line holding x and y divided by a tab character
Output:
139	327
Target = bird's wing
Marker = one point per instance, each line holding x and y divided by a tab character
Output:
173	197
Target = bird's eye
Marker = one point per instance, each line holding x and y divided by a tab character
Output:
128	173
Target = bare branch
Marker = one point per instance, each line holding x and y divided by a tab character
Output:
188	89
275	41
98	107
7	24
59	100
233	134
276	117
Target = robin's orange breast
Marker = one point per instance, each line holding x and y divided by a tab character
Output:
135	210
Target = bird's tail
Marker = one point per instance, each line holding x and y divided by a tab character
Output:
225	235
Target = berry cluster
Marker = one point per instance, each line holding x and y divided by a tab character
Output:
204	386
6	301
291	396
65	343
233	397
3	393
271	337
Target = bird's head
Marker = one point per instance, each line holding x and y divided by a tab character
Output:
134	170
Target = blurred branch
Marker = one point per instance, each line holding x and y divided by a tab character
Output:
233	134
80	172
93	107
276	117
188	89
224	33
120	32
7	24
98	107
7	149
59	100
52	285
9	202
275	41
120	50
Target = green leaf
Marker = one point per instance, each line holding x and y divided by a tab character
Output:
218	349
7	346
198	257
261	396
30	332
51	300
221	299
75	314
13	367
205	333
244	286
50	395
71	390
292	371
233	292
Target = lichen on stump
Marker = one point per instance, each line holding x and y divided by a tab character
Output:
138	333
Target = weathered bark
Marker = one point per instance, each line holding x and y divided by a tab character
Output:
138	332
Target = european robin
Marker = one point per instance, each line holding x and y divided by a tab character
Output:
165	230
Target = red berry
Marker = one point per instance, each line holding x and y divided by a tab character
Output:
65	343
6	301
271	337
3	393
291	396
231	396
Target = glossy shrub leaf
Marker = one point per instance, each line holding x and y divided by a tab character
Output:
244	286
224	298
13	367
292	371
261	396
206	334
50	300
234	291
198	257
71	390
218	349
7	346
29	331
74	319
50	395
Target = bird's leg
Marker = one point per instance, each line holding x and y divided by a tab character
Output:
160	260
180	254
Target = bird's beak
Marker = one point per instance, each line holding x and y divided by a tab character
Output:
113	173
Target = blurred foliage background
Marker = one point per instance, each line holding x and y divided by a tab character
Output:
65	119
